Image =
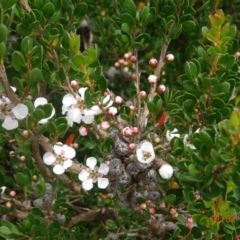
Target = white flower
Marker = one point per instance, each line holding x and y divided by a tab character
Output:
10	113
42	101
94	174
186	140
76	109
145	152
61	159
172	134
166	171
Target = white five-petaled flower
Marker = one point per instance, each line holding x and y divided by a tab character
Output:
166	171
42	101
61	158
10	113
172	134
76	109
145	152
186	142
94	174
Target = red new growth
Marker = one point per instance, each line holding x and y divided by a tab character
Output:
69	139
162	119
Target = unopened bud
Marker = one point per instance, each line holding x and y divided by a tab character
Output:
126	55
127	132
133	59
132	108
135	129
156	139
22	158
8	204
161	89
74	84
169	58
189	219
30	97
175	215
152	211
132	146
118	100
83	131
26	133
112	111
148	201
152	79
143	206
162	205
237	54
196	196
153	63
173	211
105	125
134	77
12	153
117	64
121	61
143	94
12	193
75	145
106	94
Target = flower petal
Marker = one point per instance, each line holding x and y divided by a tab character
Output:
107	102
58	169
82	92
104	168
67	163
9	123
172	134
103	182
40	101
96	109
69	100
69	151
88	184
91	162
75	115
88	116
83	175
49	158
20	111
166	171
58	148
64	109
45	120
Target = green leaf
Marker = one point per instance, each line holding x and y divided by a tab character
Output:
175	31
41	188
48	10
151	107
38	114
35	77
191	70
130	8
18	61
125	28
38	4
79	60
206	138
4	33
188	194
22	180
81	10
127	18
91	55
3	51
235	119
170	198
26	45
5	230
217	19
6	4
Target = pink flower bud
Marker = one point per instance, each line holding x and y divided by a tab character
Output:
118	100
153	63
121	61
143	94
127	132
134	77
133	59
8	204
130	54
237	54
126	55
26	133
162	205
143	206
189	219
135	129
106	94
152	211
22	158
132	146
175	215
161	89
117	64
196	196
74	84
75	145
148	201
126	69
107	162
22	165
152	79
132	108
30	97
112	111
83	131
173	211
156	139
12	153
12	193
169	58
105	125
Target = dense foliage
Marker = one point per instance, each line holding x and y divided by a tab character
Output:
119	119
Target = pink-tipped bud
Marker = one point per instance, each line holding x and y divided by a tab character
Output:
143	206
153	63
75	145
83	131
118	100
126	69
117	64
8	204
22	158
121	61
130	54
12	193
134	77
107	162
133	59
12	153
132	146
143	94
132	108
175	215
22	165
152	211
30	97
135	129
106	94
173	211
127	132
152	79
196	196
161	89
197	116
26	133
169	57
126	55
148	201
162	205
112	111
156	139
105	125
237	54
74	84
189	219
